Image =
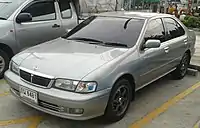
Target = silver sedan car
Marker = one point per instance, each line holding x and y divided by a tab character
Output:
98	66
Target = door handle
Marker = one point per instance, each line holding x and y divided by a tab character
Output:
185	41
55	26
166	49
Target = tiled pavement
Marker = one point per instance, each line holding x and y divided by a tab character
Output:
196	57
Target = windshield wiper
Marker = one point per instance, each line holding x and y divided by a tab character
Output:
95	41
86	39
7	2
116	44
1	18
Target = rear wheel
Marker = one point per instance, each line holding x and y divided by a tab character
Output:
181	69
119	102
4	63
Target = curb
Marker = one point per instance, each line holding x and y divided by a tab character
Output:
192	72
196	67
195	29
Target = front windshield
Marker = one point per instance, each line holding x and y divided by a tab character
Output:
109	29
7	7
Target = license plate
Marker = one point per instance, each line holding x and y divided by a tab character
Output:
28	94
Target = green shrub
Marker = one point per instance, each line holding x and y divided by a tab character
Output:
191	21
186	17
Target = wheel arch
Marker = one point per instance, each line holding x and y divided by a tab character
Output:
7	50
189	53
131	79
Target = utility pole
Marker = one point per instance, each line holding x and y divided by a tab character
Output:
165	6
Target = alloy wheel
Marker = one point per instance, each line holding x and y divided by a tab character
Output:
184	65
120	100
2	64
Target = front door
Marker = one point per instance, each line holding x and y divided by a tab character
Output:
153	60
45	25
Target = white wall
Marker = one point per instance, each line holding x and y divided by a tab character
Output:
93	6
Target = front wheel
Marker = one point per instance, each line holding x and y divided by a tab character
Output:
119	101
181	69
4	63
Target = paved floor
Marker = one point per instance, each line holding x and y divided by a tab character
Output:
183	114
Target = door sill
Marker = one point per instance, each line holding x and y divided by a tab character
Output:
155	79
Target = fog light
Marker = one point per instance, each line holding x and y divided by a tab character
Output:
71	110
76	111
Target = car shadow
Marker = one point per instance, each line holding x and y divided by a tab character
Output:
99	122
147	99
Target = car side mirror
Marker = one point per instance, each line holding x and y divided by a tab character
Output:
24	17
152	44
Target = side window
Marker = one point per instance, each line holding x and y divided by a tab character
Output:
41	11
155	30
174	29
65	9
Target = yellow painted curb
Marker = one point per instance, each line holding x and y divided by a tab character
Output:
197	125
2	81
152	115
4	94
34	121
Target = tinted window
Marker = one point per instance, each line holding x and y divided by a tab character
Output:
109	29
155	30
65	8
41	11
174	29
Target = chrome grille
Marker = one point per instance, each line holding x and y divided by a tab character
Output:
35	79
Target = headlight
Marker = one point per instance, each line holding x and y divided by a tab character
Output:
66	84
14	67
86	87
71	85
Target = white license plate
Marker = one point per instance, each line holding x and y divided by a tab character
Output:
28	94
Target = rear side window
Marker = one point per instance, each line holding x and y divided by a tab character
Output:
41	11
65	9
155	30
174	28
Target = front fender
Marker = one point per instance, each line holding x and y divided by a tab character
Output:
7	35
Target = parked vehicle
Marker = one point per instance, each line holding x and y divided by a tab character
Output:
25	23
98	66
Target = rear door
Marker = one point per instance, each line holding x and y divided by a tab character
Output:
45	24
68	15
177	42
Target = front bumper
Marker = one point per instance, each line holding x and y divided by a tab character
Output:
49	100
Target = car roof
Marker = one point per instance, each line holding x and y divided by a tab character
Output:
132	14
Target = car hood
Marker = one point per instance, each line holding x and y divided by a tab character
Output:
61	58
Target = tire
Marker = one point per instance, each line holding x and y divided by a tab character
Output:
4	63
121	94
181	69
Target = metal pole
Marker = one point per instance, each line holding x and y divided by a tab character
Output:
165	6
130	2
116	6
134	4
